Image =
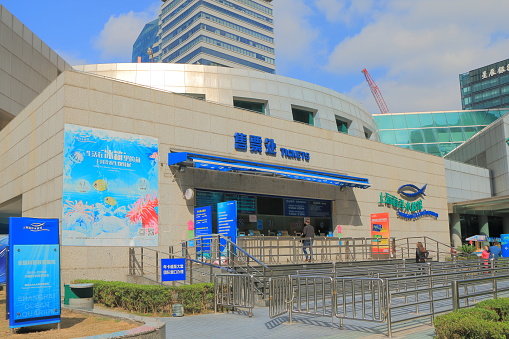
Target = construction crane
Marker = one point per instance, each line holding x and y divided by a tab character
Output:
376	92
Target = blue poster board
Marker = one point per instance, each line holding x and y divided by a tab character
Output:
505	245
173	269
33	293
227	220
4	243
203	227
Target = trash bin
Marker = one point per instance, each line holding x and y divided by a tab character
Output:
80	296
178	310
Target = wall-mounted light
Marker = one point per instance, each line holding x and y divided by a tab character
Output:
189	194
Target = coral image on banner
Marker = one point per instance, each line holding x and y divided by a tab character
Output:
110	191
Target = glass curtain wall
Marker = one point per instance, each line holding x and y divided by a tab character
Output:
436	133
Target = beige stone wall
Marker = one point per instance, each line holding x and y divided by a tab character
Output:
31	149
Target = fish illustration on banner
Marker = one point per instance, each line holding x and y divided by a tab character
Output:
110	191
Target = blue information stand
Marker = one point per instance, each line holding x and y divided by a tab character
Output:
504	240
33	289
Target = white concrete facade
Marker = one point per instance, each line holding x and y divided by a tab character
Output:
222	85
32	149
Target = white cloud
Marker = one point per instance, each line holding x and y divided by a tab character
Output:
295	33
331	8
418	49
118	35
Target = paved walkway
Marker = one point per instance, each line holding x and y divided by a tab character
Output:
239	325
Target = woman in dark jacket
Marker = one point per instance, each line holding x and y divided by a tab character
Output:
420	253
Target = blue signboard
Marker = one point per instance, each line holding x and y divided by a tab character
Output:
227	219
173	269
110	188
33	294
296	208
505	245
202	227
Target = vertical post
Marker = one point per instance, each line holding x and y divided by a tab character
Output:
157	268
455	295
388	303
142	260
190	270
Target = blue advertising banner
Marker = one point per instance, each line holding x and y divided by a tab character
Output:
4	243
110	194
227	219
505	245
33	294
296	208
173	269
203	226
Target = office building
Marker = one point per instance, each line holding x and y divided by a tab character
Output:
230	33
486	87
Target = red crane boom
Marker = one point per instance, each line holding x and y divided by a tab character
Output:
376	92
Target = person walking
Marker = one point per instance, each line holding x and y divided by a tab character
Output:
420	253
308	233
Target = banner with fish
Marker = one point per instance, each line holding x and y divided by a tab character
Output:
110	188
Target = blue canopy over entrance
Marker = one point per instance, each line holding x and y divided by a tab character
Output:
235	165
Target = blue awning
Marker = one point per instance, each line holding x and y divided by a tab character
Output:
235	165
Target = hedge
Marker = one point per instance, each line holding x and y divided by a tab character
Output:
486	320
196	298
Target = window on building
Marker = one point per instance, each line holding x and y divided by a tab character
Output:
304	115
367	133
194	95
343	125
254	105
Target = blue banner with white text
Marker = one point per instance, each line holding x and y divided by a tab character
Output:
33	294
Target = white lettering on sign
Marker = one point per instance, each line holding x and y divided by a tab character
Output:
493	72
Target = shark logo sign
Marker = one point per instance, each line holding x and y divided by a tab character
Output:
411	191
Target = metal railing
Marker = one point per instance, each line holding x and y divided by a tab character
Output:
205	256
393	294
234	290
278	250
466	293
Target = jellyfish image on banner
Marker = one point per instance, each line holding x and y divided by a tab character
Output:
78	216
144	210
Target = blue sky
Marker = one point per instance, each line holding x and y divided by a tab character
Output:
414	49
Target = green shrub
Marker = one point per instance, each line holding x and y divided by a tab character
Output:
489	319
195	298
501	306
470	328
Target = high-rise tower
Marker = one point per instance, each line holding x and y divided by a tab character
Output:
231	33
486	87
